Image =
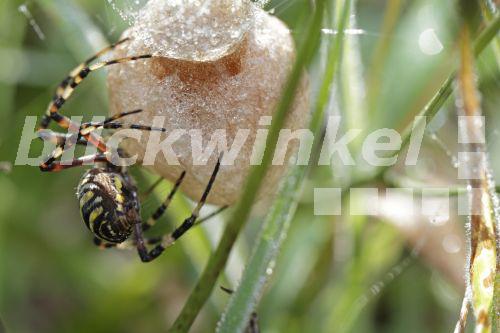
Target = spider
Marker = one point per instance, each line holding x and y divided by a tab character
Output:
107	193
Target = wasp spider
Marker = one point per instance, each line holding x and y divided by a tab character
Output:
107	194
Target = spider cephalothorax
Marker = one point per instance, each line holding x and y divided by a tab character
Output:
108	204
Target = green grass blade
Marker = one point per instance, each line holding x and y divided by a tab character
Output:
354	107
334	54
265	252
275	227
489	10
391	17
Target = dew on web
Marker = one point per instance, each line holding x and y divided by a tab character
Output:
346	31
270	268
441	145
468	246
261	3
495	203
282	6
354	32
377	287
34	25
439	220
128	10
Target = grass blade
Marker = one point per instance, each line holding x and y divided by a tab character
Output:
391	16
274	230
489	11
483	220
256	274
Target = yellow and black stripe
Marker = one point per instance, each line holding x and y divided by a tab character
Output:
102	197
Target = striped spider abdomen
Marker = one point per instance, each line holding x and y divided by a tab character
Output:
108	204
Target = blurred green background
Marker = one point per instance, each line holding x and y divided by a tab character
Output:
335	274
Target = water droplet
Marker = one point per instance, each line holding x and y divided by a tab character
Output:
452	243
429	42
439	220
127	10
261	3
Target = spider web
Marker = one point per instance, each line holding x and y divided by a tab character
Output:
128	10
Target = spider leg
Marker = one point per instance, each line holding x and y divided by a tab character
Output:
60	139
209	216
64	83
121	115
74	128
253	325
169	239
129	244
161	210
134	126
87	128
75	78
91	126
156	240
67	87
103	244
54	166
163	207
85	133
60	88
